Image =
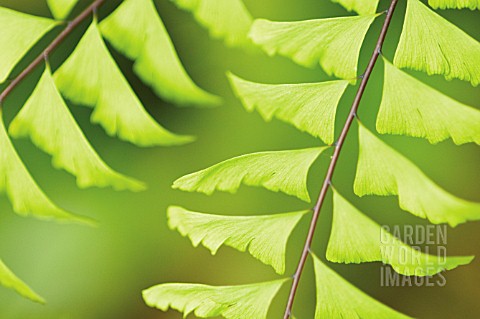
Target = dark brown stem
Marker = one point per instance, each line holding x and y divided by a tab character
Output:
42	56
334	160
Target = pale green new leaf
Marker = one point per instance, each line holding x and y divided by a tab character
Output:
432	44
61	8
334	43
310	107
9	280
284	171
359	6
410	107
46	120
90	77
231	302
355	238
339	299
20	32
136	30
383	171
454	4
265	237
225	19
24	194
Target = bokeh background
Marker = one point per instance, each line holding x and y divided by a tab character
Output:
99	273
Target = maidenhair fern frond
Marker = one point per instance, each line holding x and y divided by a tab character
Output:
454	4
231	302
61	8
90	77
355	238
334	43
410	107
383	171
432	44
284	171
47	121
9	280
359	6
310	107
260	234
136	30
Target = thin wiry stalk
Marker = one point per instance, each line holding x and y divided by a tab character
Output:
338	147
52	46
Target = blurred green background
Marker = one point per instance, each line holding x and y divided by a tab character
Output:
89	273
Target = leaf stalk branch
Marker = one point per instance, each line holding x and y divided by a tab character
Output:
338	147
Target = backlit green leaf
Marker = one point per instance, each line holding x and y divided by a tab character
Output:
454	4
265	237
135	29
334	43
432	44
9	280
338	299
46	120
20	32
355	238
225	19
284	171
310	107
24	194
359	6
90	77
383	171
412	108
61	8
231	302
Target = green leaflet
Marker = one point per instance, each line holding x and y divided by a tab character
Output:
410	107
355	238
454	4
9	280
264	236
135	29
231	302
432	44
383	171
338	299
90	77
334	43
25	195
284	171
47	121
359	6
61	8
228	20
20	32
310	107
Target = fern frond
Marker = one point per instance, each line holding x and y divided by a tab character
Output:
20	32
338	299
410	107
383	171
46	120
61	8
284	171
231	302
136	30
265	237
90	77
432	44
9	280
310	107
24	194
454	4
355	238
334	43
228	20
359	6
